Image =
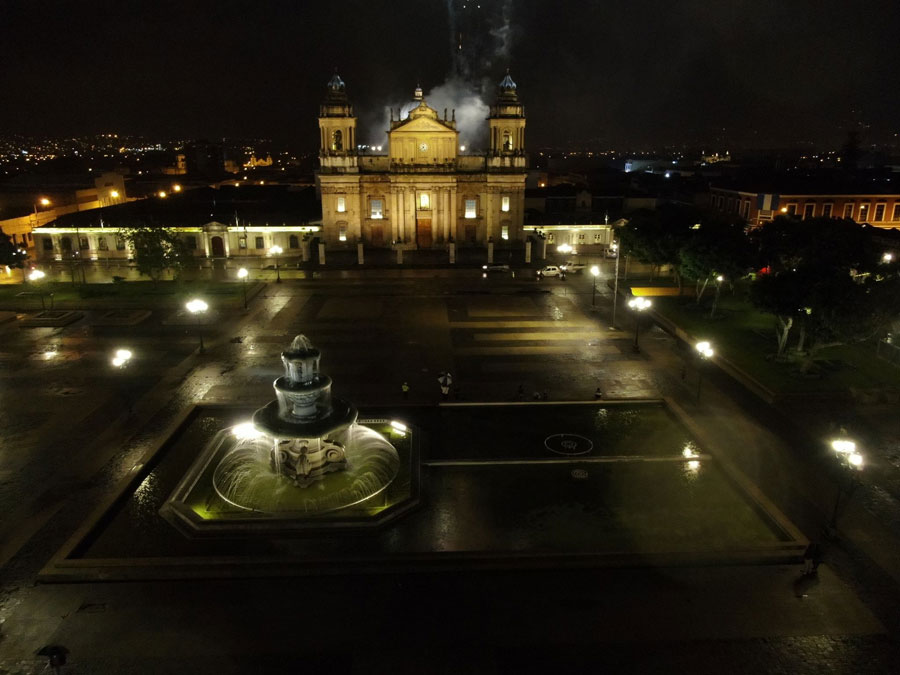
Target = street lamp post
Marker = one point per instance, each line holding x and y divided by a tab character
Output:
705	351
638	305
851	463
198	307
242	275
276	251
615	247
595	271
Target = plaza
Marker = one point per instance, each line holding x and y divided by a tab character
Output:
77	429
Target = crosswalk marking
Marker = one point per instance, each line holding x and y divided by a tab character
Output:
568	335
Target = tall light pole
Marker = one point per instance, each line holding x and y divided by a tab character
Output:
594	272
638	305
851	463
242	275
615	247
276	251
198	307
705	352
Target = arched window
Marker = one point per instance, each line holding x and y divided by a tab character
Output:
293	242
337	140
507	140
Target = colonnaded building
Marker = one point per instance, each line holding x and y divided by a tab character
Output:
425	192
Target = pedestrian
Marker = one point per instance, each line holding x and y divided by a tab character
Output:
520	394
445	381
812	558
405	389
598	394
536	396
545	396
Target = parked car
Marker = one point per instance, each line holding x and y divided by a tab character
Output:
549	271
572	267
495	267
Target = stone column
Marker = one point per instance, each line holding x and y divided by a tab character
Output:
399	254
453	253
321	254
395	216
490	252
205	236
527	251
445	211
453	217
360	256
304	250
226	239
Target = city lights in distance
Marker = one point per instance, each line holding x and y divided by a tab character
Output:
639	304
564	248
242	273
114	194
399	427
45	201
176	188
36	275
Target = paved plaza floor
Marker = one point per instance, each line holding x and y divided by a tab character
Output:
73	427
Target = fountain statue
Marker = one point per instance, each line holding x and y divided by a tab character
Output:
304	453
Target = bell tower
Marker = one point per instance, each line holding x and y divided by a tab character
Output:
507	125
337	128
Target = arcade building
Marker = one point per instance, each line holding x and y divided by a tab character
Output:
426	192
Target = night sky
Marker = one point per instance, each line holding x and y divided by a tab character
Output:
623	74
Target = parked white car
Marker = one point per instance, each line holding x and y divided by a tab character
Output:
572	267
549	271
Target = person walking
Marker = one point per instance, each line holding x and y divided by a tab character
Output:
598	395
405	389
445	381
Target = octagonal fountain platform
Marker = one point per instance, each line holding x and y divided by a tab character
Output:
304	462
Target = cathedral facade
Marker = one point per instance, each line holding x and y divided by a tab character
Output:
425	192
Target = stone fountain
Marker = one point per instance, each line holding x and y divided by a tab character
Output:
303	455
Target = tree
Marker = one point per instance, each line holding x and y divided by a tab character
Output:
10	254
656	237
825	277
716	251
156	249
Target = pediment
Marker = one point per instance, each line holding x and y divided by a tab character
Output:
423	124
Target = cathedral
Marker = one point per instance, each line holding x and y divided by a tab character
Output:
425	192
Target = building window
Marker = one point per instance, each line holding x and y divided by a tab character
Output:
191	242
879	212
120	244
101	244
376	209
48	244
504	231
598	238
260	242
65	244
337	140
848	210
721	203
745	211
827	210
580	238
83	243
341	204
293	242
242	242
896	211
808	210
550	237
424	201
342	234
504	204
863	216
471	208
791	209
507	140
